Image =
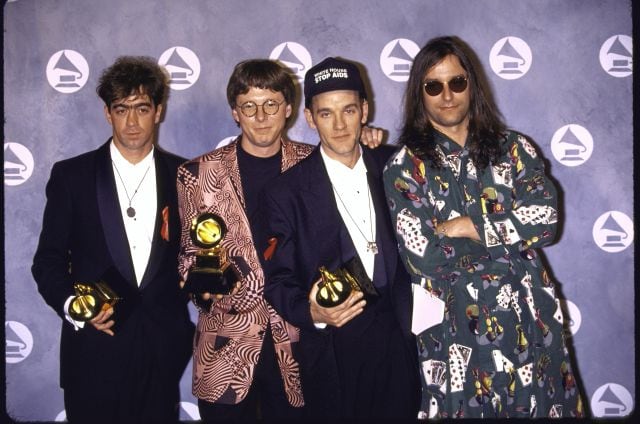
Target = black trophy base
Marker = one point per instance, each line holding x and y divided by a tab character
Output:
356	269
211	281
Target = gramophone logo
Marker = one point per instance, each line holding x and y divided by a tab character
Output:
19	342
67	71
616	57
574	316
18	164
396	58
294	56
182	65
61	417
189	412
572	145
613	231
611	400
510	58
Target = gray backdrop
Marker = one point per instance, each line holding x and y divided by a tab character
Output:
561	72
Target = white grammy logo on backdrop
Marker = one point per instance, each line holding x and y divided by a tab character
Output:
183	66
18	164
572	145
67	71
396	58
510	58
611	400
574	318
613	231
294	56
616	57
19	341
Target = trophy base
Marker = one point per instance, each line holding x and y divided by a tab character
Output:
356	269
211	280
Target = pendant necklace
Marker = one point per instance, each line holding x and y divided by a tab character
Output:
372	247
131	212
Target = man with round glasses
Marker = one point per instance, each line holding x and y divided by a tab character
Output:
471	202
244	352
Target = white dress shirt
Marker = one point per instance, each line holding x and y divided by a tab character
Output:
351	191
140	227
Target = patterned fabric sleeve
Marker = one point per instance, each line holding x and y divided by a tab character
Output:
531	217
186	186
412	212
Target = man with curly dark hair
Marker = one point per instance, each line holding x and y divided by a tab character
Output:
112	217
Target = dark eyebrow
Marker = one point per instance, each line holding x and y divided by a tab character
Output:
115	105
350	105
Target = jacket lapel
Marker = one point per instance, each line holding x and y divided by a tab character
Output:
230	161
110	215
158	245
384	233
318	198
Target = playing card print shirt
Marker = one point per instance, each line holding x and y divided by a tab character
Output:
500	350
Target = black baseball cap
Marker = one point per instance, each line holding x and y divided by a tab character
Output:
330	75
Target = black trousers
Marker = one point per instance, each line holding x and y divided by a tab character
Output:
266	398
378	372
143	398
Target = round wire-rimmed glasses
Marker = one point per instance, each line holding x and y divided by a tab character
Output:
269	107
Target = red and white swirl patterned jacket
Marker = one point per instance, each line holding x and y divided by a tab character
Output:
229	336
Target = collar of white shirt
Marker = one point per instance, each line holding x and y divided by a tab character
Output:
338	171
124	164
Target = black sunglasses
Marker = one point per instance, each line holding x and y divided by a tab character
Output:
456	84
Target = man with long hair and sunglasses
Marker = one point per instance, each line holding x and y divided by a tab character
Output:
470	203
244	361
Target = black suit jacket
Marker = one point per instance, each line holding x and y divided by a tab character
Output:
303	216
83	237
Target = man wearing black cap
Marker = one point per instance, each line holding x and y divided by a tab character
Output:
357	359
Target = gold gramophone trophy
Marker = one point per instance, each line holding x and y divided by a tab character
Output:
212	272
90	299
336	286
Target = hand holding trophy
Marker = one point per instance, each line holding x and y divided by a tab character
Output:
90	299
212	272
336	286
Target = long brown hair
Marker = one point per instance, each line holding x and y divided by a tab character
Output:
486	129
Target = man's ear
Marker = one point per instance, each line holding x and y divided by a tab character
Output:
107	114
309	117
158	114
365	112
234	114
